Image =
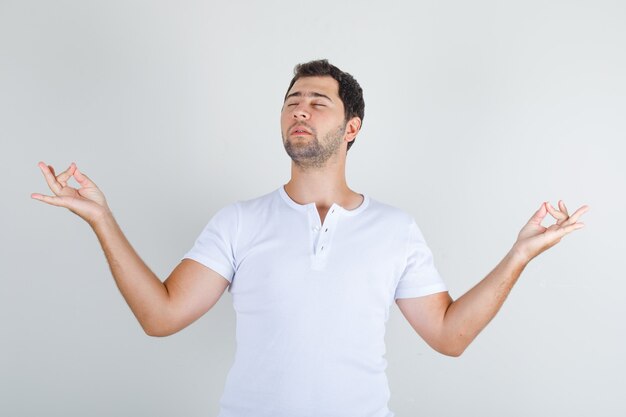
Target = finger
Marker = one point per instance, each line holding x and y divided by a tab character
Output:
555	213
82	179
48	174
563	208
570	228
553	236
66	175
574	217
539	215
55	201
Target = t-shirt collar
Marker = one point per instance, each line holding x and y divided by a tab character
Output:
306	207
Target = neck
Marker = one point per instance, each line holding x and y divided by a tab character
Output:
322	185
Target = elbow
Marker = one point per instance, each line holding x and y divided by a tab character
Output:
157	329
452	348
155	332
453	352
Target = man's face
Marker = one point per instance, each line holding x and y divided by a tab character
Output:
313	121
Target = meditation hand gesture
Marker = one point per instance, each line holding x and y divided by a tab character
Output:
534	238
87	201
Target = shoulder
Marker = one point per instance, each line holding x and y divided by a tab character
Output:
387	213
231	213
248	212
384	221
260	201
260	205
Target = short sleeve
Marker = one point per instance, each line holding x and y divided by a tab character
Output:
420	277
215	247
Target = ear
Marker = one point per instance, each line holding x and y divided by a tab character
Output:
352	129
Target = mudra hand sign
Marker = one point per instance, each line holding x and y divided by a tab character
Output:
534	238
87	201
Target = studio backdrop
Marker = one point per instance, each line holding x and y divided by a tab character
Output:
476	113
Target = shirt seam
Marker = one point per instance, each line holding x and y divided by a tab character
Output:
236	240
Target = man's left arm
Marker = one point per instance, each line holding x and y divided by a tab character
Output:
450	326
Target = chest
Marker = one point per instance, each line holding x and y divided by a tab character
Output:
341	266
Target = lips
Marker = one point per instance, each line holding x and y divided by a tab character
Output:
299	131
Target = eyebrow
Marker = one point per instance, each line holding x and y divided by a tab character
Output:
311	94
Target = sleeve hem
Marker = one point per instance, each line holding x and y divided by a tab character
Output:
420	292
225	271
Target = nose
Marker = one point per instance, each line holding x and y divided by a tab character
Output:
300	113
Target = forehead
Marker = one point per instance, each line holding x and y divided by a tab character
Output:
326	85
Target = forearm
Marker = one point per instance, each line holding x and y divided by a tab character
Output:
466	317
162	308
450	326
145	294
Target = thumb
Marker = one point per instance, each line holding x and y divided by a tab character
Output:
83	179
539	215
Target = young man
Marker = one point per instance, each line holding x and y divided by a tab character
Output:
313	268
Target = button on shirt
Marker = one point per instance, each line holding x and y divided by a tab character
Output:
311	301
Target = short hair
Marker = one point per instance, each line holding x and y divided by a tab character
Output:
350	92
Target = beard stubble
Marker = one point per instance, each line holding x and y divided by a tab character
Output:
311	152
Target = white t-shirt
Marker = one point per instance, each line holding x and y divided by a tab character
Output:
312	301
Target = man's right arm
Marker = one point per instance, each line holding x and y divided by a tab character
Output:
162	308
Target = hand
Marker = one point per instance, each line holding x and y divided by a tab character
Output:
88	201
534	238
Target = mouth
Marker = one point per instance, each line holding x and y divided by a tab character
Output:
299	131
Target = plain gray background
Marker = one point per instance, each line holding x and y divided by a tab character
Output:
476	112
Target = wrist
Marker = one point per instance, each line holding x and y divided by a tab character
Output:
101	219
519	256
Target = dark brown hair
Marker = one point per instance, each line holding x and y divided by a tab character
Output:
350	92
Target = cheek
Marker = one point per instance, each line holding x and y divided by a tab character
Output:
285	119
